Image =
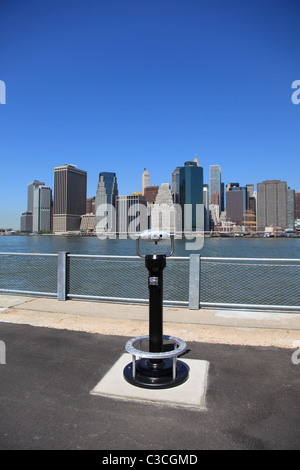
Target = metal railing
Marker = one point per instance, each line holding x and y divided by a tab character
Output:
195	281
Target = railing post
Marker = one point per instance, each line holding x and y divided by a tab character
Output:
194	282
62	275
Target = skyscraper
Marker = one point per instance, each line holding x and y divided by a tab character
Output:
191	196
30	218
290	215
69	197
150	193
215	181
105	201
297	204
145	180
131	214
271	204
176	184
42	201
206	207
31	187
236	199
163	214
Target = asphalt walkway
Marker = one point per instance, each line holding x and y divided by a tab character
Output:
57	352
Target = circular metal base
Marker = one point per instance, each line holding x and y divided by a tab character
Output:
156	374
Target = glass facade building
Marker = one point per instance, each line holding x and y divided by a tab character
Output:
191	196
105	201
215	181
70	185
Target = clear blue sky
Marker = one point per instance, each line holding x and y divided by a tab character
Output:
119	85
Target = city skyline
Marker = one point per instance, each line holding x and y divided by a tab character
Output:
123	86
107	194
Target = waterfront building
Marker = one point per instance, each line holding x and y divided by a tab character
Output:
30	191
250	192
38	214
236	205
214	213
290	210
297	205
27	217
26	222
105	202
271	204
42	205
150	194
215	181
145	180
131	214
69	197
251	214
215	198
176	184
222	198
191	196
205	199
90	205
87	223
163	213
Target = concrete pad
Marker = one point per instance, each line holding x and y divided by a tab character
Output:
189	394
11	301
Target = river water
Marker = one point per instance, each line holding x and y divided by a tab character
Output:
222	281
238	247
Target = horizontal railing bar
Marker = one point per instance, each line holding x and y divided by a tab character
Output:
30	254
100	297
256	306
102	256
54	294
208	258
203	258
121	257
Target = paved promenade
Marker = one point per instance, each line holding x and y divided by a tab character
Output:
57	352
243	327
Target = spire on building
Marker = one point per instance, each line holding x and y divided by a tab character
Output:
196	160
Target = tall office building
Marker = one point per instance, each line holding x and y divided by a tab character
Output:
69	197
176	184
222	198
150	193
271	204
29	219
191	196
163	214
105	202
236	203
297	204
206	207
42	202
215	181
30	191
90	205
131	214
26	222
290	210
145	180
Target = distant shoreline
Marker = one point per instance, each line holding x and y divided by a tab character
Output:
187	236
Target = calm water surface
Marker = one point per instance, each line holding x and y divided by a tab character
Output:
214	247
